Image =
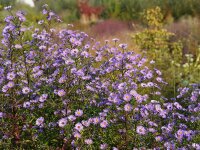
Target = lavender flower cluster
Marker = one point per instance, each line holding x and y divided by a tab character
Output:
61	88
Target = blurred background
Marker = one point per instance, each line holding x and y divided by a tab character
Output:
105	19
113	17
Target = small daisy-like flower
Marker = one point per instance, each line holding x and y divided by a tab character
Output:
18	46
122	86
73	40
104	124
79	112
40	121
143	85
141	130
79	127
158	138
103	146
77	135
61	93
87	46
150	84
1	114
88	141
41	22
85	123
62	80
43	97
26	90
26	104
96	120
11	76
62	122
7	7
10	84
115	40
133	92
152	62
71	117
128	107
74	52
124	46
152	130
127	97
129	66
5	88
42	47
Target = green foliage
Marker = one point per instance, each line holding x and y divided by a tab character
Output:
7	2
156	41
4	3
131	9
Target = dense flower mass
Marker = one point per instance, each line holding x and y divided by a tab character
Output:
62	86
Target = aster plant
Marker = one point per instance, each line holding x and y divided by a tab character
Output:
61	89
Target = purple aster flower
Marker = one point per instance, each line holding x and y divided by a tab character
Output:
159	79
196	146
121	86
21	16
178	106
79	127
159	138
104	146
85	54
18	46
1	114
77	135
123	46
7	8
26	90
169	145
10	84
141	130
96	120
74	52
40	21
62	79
152	130
26	104
133	92
40	121
85	123
104	124
73	40
179	134
129	66
71	117
127	97
150	84
98	58
88	141
87	46
61	93
79	112
43	97
115	39
128	107
62	122
11	76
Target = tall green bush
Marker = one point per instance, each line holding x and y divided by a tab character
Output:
156	41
